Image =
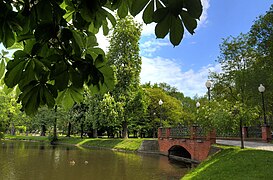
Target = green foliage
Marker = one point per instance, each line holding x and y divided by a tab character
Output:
225	116
10	113
170	113
234	163
103	112
58	52
170	16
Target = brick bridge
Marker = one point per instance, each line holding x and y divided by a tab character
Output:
195	144
186	142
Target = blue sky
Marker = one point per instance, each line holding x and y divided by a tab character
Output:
186	66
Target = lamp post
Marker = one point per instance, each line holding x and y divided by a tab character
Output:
198	104
261	89
208	85
160	102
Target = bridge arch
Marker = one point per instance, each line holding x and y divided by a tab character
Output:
180	151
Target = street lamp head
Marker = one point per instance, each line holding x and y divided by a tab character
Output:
261	88
198	104
160	102
208	84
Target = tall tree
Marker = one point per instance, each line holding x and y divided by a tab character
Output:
261	37
124	57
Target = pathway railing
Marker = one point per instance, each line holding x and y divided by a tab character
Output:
262	133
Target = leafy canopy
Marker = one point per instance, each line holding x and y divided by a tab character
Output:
59	53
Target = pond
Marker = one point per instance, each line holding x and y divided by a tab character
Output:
30	160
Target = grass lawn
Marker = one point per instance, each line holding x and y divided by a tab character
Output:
235	163
30	138
131	144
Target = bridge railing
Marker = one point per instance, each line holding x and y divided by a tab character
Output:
180	132
185	132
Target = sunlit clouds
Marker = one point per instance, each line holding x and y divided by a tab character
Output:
190	82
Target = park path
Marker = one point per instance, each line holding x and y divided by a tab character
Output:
247	144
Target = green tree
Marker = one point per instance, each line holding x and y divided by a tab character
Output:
261	37
138	113
43	120
102	114
124	56
59	53
170	113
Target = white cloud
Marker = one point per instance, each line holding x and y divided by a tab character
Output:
204	16
190	82
152	45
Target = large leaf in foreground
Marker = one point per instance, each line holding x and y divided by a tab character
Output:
68	97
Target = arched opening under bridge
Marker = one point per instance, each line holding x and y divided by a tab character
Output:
180	151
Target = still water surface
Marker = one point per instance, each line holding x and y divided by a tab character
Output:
29	160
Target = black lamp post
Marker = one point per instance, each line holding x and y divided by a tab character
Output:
160	102
208	85
261	89
197	106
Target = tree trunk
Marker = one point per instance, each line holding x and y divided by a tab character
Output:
95	133
12	131
81	130
124	130
154	133
69	130
55	126
43	132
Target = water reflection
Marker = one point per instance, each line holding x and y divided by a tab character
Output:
28	160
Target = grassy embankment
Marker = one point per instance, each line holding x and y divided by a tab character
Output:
235	163
131	144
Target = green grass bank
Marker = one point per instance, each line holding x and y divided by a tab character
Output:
235	163
131	144
120	144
